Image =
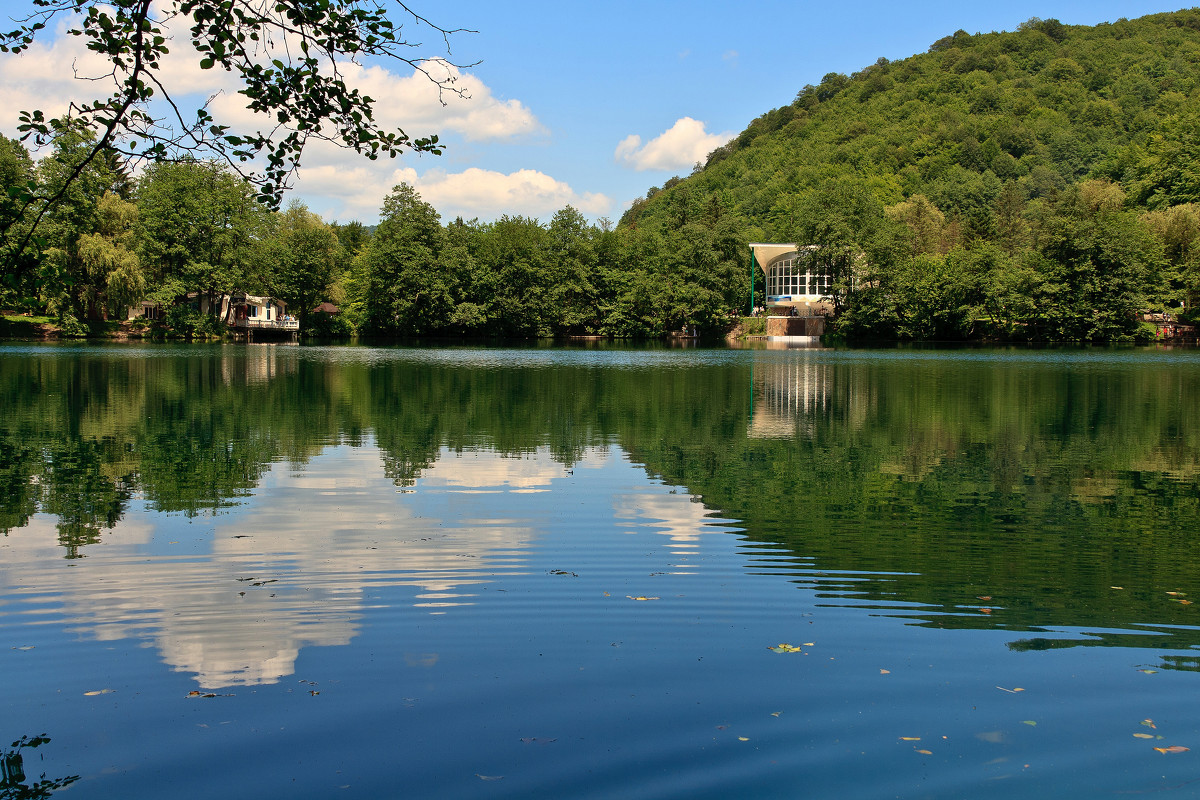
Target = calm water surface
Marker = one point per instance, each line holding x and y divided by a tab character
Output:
258	571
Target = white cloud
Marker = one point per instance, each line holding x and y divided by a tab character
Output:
354	188
679	147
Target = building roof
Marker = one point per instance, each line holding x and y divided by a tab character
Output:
765	253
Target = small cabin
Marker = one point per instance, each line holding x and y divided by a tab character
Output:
252	312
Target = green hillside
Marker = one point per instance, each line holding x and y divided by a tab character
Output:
1002	174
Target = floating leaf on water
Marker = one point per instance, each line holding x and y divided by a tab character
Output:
1029	722
784	647
1143	736
1174	748
1149	723
98	691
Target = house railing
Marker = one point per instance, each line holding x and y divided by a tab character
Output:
264	324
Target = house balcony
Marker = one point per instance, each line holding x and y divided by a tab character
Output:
264	324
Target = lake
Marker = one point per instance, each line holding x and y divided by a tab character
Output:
352	572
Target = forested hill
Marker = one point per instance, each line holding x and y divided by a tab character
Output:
973	142
1044	106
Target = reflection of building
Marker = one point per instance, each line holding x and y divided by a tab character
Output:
793	391
798	288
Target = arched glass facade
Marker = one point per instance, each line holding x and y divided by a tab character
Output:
798	276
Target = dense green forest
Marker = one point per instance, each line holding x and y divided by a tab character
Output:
1041	184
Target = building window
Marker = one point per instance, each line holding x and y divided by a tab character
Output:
798	275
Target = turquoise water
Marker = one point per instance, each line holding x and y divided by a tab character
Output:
357	572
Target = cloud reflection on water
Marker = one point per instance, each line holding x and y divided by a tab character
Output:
233	598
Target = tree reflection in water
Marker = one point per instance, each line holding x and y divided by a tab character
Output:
14	785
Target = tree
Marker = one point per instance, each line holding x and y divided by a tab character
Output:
306	258
72	277
197	224
289	56
17	271
399	287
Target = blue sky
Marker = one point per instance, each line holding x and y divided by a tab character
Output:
577	103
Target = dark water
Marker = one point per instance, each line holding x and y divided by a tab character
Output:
301	572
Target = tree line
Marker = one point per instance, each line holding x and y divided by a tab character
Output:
195	227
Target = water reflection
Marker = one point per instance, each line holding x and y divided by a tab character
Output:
15	784
295	567
907	484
